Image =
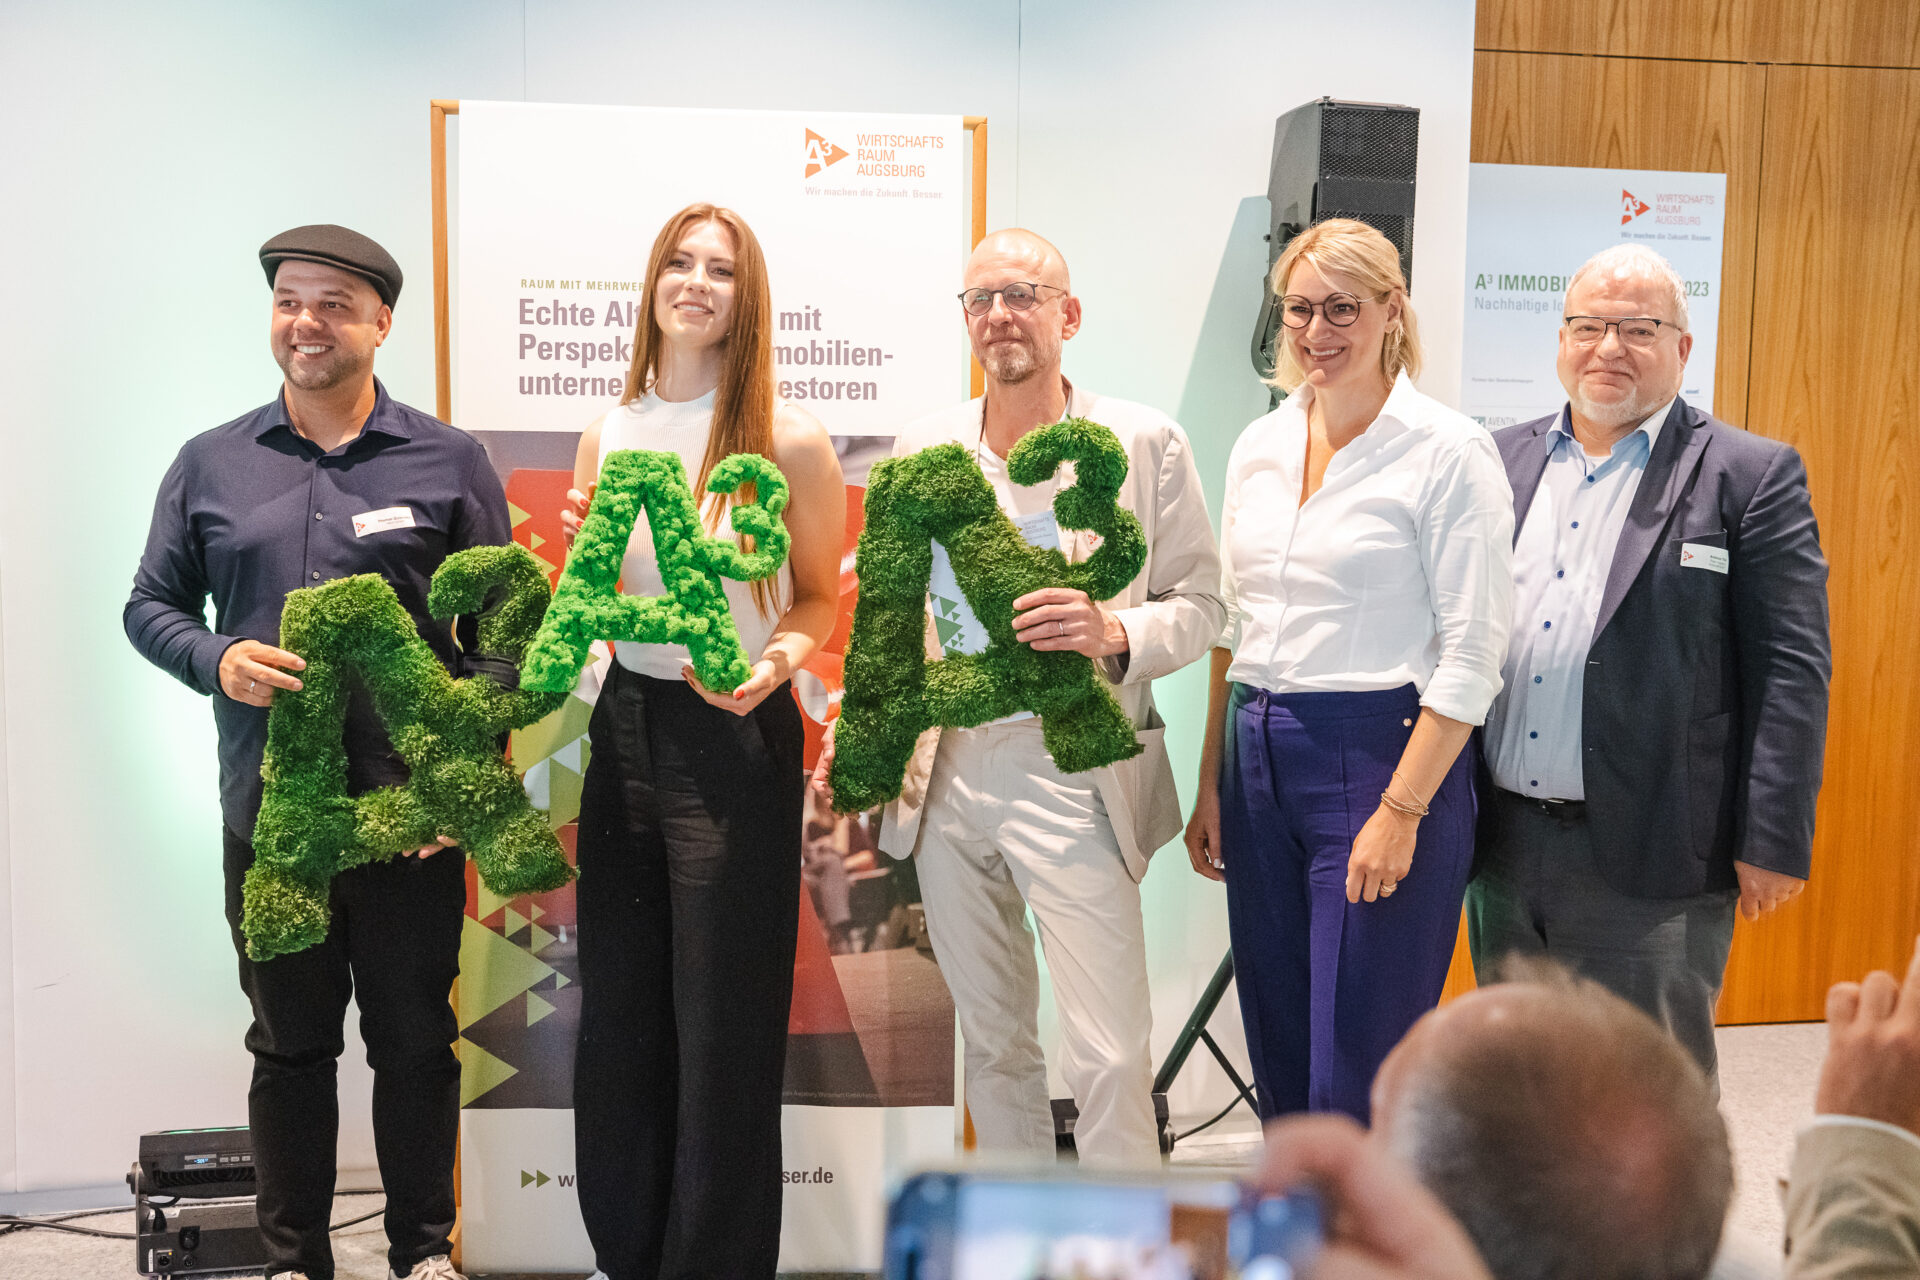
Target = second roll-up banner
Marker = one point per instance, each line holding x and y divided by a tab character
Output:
864	222
1529	227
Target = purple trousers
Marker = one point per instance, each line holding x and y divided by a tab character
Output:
1326	986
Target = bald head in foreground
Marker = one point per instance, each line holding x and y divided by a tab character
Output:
1569	1134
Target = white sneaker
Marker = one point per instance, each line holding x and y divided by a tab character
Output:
438	1267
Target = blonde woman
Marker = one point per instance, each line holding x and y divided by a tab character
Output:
1366	544
690	814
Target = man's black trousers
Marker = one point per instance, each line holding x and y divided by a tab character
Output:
394	945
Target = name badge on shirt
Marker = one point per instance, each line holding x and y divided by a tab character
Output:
1695	555
402	518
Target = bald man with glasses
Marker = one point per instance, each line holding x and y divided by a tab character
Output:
996	829
1656	747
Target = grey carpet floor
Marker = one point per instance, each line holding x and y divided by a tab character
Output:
1767	1076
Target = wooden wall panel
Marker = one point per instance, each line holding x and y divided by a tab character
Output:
1835	372
1643	28
1868	33
1460	972
1851	33
1639	114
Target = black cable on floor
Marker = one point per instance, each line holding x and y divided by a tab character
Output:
1180	1137
10	1223
354	1222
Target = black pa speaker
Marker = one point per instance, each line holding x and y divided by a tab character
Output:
1336	159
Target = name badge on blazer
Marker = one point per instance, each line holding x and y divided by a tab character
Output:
1696	555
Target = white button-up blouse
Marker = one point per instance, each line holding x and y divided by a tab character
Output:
1399	570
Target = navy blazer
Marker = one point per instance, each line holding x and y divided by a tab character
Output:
1704	715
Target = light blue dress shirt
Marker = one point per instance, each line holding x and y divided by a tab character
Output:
1560	567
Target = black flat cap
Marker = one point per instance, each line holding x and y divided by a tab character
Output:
332	246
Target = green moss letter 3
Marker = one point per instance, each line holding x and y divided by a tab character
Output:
693	612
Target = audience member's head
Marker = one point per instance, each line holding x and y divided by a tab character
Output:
1570	1135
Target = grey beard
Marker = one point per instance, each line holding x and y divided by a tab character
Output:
1624	413
1015	368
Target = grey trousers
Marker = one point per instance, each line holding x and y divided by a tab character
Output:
1536	892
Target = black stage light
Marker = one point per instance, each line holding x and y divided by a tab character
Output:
193	1203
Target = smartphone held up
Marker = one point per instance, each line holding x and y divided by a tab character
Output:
1068	1225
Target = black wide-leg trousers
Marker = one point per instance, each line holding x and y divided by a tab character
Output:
394	945
689	855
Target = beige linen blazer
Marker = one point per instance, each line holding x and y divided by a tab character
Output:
1172	613
1853	1204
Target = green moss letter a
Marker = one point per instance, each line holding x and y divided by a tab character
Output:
447	730
893	693
694	611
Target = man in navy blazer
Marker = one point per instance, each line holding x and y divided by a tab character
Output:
1655	751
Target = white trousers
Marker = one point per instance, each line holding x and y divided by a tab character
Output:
1005	832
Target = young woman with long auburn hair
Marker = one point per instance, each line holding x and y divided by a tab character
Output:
690	814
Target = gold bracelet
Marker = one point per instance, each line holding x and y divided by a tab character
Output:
1398	807
1417	809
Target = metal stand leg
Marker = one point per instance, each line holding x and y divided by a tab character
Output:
1195	1031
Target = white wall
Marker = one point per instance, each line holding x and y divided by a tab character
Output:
9	1162
150	149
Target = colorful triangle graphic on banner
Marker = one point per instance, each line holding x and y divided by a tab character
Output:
479	1071
819	1006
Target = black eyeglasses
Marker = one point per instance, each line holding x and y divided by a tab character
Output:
1635	331
1340	309
1021	295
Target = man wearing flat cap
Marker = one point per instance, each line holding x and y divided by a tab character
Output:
331	477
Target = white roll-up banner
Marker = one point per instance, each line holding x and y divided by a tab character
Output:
864	222
1530	227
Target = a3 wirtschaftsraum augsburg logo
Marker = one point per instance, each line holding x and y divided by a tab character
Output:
884	164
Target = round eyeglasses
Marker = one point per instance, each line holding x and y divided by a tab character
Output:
1021	295
1639	332
1340	309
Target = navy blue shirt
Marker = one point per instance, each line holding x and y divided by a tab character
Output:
252	510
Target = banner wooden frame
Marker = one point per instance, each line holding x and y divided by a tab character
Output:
441	108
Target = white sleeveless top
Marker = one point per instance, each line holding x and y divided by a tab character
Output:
683	428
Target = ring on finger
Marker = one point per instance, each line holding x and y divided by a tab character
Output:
1388	888
1063	627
